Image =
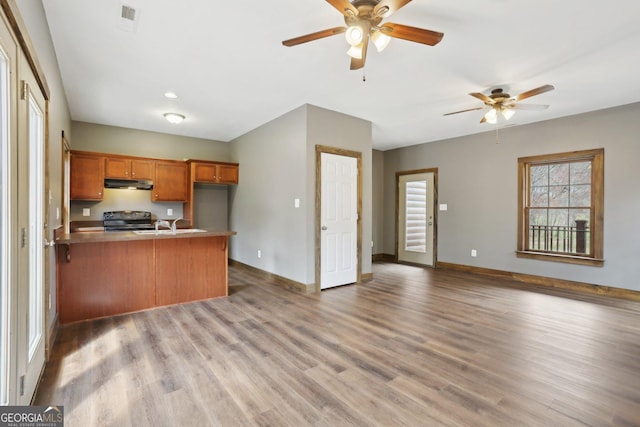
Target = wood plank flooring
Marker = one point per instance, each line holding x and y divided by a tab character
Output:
414	347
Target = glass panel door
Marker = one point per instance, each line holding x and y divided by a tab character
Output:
416	220
36	226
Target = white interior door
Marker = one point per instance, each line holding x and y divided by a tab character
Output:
31	222
338	220
416	218
22	219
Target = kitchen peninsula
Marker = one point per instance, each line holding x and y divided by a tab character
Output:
108	273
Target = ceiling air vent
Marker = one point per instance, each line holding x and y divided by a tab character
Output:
129	18
128	13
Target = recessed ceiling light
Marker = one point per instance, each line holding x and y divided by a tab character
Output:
170	95
174	118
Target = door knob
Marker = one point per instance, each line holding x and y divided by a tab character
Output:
324	227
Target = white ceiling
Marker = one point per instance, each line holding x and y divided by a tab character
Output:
226	62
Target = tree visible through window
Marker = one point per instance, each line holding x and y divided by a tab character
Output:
560	213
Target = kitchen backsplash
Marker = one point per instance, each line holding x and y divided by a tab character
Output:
120	200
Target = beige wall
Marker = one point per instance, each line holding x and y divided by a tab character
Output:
278	166
273	173
133	142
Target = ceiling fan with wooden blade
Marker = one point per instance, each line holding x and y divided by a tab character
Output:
363	19
501	102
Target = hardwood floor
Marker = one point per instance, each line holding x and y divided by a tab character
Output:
412	347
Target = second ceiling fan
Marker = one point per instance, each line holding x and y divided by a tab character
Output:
501	102
363	18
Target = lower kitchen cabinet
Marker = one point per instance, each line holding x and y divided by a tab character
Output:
105	279
190	269
100	279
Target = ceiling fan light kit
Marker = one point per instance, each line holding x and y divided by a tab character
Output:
363	19
507	113
355	52
380	40
354	35
491	116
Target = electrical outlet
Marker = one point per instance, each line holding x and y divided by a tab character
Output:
170	212
86	212
259	253
474	252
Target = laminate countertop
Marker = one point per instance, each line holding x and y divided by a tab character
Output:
121	236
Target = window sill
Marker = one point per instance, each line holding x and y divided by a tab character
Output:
570	259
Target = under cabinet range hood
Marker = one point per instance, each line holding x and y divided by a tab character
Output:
132	184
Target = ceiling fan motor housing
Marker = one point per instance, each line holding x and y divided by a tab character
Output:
365	14
499	96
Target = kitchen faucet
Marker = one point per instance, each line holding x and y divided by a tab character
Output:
171	226
163	223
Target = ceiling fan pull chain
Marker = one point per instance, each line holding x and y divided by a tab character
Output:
364	78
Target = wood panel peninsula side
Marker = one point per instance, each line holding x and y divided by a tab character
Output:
106	274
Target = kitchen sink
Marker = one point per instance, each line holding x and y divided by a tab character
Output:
171	232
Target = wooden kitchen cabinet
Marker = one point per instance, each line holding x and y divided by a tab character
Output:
170	181
129	168
105	279
190	269
87	176
214	173
102	276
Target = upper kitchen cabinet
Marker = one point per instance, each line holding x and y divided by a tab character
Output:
129	168
214	172
170	182
87	176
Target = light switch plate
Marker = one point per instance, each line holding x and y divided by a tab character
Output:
296	203
170	212
443	206
86	212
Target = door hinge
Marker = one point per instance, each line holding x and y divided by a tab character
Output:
24	89
22	385
23	237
